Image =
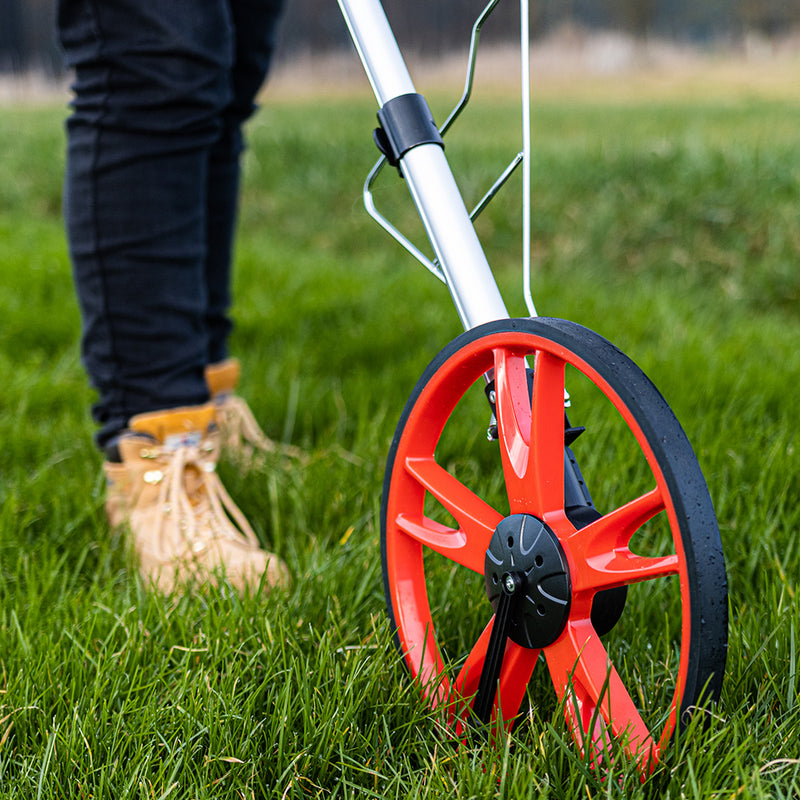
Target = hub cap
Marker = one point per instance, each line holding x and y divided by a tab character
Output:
524	550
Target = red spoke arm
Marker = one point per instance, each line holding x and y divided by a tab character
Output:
601	551
621	569
617	527
476	519
592	691
518	664
547	432
531	432
513	407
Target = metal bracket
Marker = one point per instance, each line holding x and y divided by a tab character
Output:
522	158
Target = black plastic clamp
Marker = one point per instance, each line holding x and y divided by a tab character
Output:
405	122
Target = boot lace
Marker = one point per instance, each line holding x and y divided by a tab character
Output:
192	498
242	433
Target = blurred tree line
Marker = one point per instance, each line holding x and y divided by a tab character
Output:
27	39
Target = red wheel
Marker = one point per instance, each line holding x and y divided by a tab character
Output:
463	517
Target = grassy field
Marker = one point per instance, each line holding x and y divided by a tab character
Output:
668	225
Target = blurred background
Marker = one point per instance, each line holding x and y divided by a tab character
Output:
621	30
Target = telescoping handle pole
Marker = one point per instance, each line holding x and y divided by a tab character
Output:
424	166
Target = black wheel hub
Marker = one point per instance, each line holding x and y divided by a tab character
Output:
525	556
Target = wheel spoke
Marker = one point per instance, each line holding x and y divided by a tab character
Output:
601	551
449	542
531	431
513	406
622	568
616	528
518	665
476	519
593	692
548	432
470	673
471	512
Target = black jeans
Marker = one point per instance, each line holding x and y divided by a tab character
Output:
162	88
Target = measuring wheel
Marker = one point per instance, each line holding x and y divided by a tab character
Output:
500	551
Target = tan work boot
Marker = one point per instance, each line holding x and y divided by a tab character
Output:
184	524
242	436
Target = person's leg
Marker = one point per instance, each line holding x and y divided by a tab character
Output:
153	84
152	80
254	24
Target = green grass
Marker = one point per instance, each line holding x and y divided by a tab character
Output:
669	227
